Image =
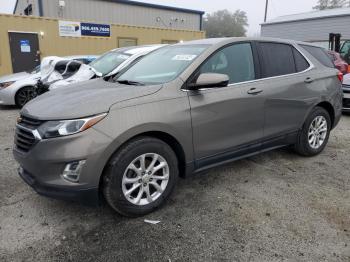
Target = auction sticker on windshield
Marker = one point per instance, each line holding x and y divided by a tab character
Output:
184	57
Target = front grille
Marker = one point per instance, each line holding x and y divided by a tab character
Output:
30	122
24	137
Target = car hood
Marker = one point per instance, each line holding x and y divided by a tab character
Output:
14	77
83	99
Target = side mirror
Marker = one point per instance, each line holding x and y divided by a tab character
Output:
210	80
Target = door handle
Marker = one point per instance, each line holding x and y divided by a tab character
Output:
254	91
308	80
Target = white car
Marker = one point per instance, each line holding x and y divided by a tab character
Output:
106	65
17	89
346	91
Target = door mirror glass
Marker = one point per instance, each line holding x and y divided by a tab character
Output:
210	80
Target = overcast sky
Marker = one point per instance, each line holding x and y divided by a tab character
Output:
254	8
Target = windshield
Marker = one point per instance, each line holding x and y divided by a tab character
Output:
109	61
163	65
35	70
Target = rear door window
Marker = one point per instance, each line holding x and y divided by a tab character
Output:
320	54
235	61
277	59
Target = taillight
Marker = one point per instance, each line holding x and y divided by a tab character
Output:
340	76
348	69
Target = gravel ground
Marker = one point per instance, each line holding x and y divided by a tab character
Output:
273	207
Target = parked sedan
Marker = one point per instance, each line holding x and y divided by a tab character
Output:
107	65
339	62
180	110
346	91
18	89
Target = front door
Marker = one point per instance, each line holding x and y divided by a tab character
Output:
24	51
228	122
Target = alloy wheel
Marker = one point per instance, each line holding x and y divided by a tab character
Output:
317	132
25	95
145	179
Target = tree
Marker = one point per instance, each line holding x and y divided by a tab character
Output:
224	23
330	4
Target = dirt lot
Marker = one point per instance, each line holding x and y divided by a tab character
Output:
273	207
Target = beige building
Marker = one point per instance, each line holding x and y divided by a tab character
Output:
28	36
114	12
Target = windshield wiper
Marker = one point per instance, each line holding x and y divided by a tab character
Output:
130	83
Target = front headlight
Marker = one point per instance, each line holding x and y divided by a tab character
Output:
52	129
6	84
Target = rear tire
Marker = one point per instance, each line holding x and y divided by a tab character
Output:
24	95
130	170
313	137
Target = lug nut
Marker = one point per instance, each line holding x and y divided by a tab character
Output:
145	185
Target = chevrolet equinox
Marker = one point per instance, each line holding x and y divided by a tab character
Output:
180	110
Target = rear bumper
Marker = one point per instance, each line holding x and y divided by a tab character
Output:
84	196
346	103
346	98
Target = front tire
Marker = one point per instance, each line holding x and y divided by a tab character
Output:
313	137
140	176
24	95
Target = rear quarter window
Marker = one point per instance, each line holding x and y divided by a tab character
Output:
320	54
300	62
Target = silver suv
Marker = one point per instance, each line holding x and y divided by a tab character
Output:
180	110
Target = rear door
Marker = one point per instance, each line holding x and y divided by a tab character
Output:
24	51
228	122
286	79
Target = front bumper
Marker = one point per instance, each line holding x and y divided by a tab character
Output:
85	196
7	96
43	165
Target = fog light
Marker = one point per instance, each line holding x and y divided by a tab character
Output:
72	171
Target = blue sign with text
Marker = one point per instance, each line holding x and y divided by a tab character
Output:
100	30
25	46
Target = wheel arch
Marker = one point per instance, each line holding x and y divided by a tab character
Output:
161	135
19	89
329	108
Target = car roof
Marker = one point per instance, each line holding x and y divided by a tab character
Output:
80	57
227	40
132	50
